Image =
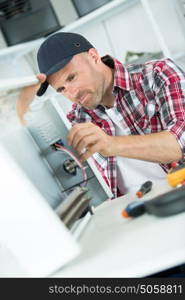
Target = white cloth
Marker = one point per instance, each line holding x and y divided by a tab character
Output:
132	173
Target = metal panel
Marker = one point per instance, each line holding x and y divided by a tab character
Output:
47	127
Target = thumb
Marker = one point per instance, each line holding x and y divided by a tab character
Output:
41	77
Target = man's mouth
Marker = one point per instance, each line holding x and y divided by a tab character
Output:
83	99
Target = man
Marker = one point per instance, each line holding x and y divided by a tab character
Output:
130	118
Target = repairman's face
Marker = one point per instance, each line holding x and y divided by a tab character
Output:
81	80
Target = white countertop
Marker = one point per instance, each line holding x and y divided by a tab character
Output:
116	247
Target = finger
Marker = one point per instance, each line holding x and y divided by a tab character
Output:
81	136
85	156
75	131
86	142
88	153
41	77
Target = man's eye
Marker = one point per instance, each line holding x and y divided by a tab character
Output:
71	77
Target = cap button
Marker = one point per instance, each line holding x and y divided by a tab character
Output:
77	44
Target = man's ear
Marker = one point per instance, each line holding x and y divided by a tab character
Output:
94	55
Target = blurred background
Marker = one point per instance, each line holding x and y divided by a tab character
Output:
131	30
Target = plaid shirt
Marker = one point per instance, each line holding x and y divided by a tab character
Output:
149	98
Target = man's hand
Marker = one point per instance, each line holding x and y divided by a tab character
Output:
87	139
26	97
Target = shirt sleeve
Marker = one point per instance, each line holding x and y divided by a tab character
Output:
171	101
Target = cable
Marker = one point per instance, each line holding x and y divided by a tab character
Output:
61	148
79	183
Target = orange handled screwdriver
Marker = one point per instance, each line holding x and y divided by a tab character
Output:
144	189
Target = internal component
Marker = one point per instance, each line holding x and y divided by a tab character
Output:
70	166
73	206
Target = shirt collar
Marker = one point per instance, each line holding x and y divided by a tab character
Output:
121	77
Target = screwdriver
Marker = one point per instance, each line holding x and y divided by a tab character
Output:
144	189
166	204
134	209
137	208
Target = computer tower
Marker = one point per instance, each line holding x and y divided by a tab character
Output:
25	20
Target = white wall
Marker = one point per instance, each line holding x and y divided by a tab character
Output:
130	30
169	22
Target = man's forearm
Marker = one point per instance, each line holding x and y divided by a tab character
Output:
159	147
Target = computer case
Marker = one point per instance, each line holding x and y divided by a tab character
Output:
25	20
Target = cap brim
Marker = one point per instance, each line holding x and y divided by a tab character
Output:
52	70
42	88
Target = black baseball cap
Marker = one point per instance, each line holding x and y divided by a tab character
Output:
56	51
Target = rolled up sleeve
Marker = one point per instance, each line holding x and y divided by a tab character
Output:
172	107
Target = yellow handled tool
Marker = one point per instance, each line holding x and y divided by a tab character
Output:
176	175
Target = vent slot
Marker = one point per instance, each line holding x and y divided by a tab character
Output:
14	8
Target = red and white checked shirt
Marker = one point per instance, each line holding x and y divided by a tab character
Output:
149	98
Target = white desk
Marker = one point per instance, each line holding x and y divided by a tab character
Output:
116	247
